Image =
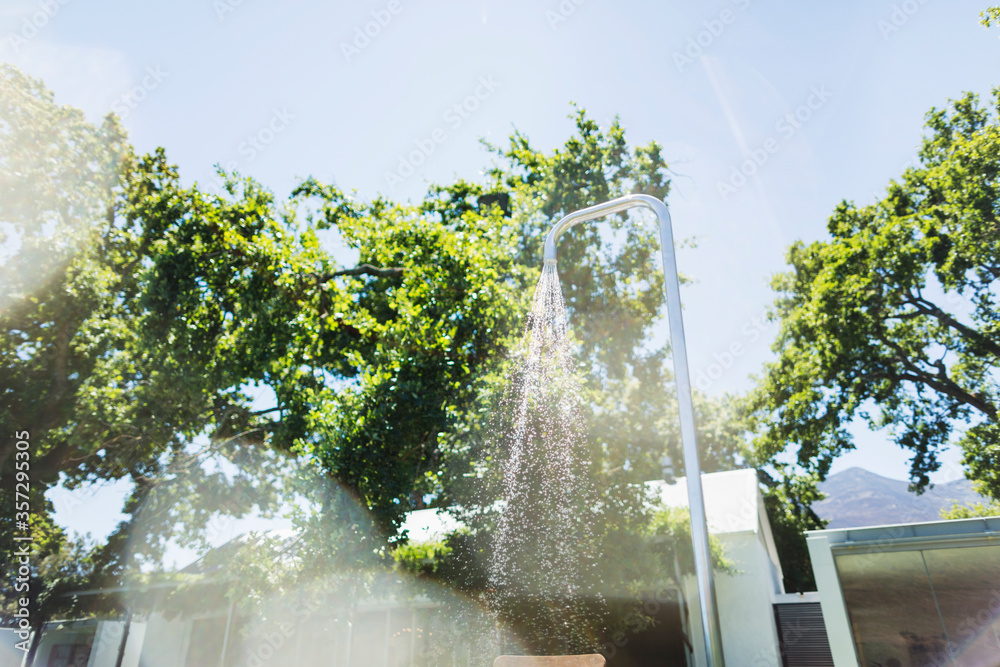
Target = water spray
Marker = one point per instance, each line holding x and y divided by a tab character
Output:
696	500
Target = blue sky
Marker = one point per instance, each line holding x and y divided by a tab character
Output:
826	100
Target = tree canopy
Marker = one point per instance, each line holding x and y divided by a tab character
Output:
142	316
893	321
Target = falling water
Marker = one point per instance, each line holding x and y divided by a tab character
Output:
543	562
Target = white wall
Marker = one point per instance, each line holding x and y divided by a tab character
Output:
10	656
165	642
745	599
107	641
104	638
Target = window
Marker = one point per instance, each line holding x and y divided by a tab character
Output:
69	655
918	607
205	642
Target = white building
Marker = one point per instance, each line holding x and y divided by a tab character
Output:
754	611
911	595
735	511
750	601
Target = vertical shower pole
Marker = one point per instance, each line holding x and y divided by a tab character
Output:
696	499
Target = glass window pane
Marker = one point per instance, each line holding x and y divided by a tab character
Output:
891	609
437	639
205	644
400	637
422	630
368	638
967	584
235	646
322	640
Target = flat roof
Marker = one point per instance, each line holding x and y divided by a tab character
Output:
731	499
984	530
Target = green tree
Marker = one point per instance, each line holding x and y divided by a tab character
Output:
402	359
57	177
613	292
972	510
136	312
893	321
139	313
613	289
788	498
76	373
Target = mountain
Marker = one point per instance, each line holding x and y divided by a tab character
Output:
856	497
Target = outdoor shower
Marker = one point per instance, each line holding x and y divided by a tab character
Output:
699	526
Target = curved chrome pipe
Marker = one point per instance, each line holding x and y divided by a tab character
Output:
696	500
599	211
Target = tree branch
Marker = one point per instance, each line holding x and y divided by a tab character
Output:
939	381
928	308
60	380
